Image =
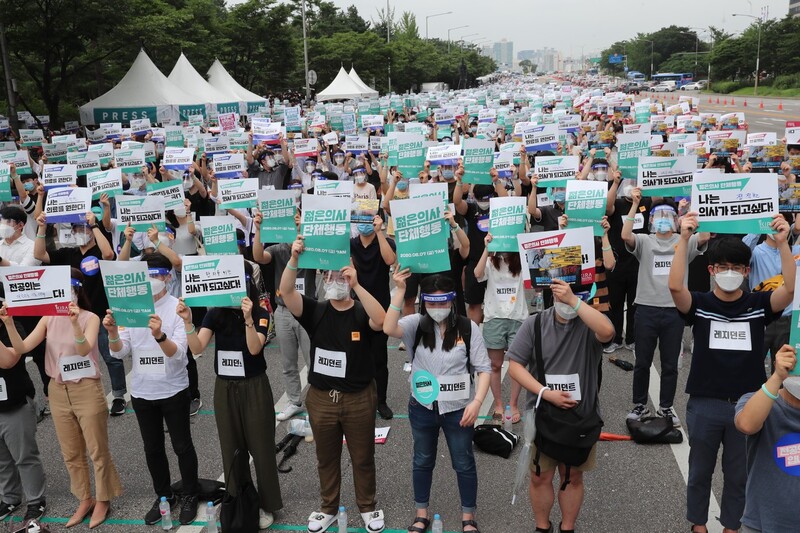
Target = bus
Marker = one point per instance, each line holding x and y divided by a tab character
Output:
635	75
680	78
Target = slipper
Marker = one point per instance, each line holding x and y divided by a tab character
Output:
373	521
515	417
319	522
420	520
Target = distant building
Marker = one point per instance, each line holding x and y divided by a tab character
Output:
530	55
794	8
503	53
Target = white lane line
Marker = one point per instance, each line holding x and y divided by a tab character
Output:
681	453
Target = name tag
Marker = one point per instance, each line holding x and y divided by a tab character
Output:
3	390
543	200
662	264
730	336
76	367
230	364
328	363
300	285
151	362
453	388
570	383
506	292
638	222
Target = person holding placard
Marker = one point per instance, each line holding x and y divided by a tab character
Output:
441	356
362	189
341	399
160	391
77	400
243	401
269	167
27	187
727	362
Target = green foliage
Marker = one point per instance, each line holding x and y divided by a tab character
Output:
668	43
787	81
726	87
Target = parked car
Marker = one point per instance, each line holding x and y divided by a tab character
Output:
632	88
663	88
694	86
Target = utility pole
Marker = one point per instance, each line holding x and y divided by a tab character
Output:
305	54
10	89
388	33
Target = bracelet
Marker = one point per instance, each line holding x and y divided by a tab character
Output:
190	331
766	391
455	228
392	306
113	340
82	340
606	249
290	267
631	219
250	325
41	236
577	306
156	244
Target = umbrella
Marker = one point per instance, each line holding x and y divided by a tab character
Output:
525	455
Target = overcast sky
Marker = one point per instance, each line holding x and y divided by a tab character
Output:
568	25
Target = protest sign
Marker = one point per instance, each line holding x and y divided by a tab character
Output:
585	204
177	158
239	193
325	227
631	146
792	132
342	189
725	143
410	154
278	208
129	161
104	151
174	136
68	205
794	332
544	137
420	236
140	126
226	166
478	161
172	193
349	124
306	148
292	119
37	291
142	212
127	286
219	235
209	281
507	218
84	162
20	159
741	203
330	139
59	176
503	164
30	138
447	154
556	170
564	254
105	182
666	176
356	145
372	122
55	152
227	121
5	182
214	146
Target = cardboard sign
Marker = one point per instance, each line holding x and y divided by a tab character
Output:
325	226
141	212
234	194
735	203
219	235
59	176
585	204
666	176
37	291
127	286
68	205
105	182
278	208
172	193
552	254
129	161
176	158
227	166
213	281
507	218
420	236
557	170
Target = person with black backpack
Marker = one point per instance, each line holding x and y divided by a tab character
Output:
558	357
446	348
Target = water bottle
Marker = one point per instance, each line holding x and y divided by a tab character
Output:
211	518
538	301
307	433
437	524
507	419
342	520
166	514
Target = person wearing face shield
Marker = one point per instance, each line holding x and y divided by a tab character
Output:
570	337
547	215
304	169
341	398
440	354
269	165
27	187
362	189
727	362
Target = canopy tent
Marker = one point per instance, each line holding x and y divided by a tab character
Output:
185	76
343	87
356	78
219	78
144	92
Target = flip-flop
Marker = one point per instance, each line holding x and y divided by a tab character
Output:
515	417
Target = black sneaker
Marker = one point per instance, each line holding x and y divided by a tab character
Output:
188	509
6	509
118	406
35	511
385	411
153	516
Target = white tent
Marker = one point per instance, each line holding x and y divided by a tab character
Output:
186	77
356	78
219	78
343	87
144	92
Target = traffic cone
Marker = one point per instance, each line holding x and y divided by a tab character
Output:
733	100
761	105
745	102
709	100
780	106
725	102
717	100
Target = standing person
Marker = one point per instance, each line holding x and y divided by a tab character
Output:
658	322
571	351
504	312
21	467
92	245
160	391
78	403
444	354
341	397
269	167
727	362
373	253
243	403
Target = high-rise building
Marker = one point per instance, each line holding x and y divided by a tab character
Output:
794	8
530	55
503	53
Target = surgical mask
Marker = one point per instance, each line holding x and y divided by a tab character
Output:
271	162
627	191
310	167
360	178
157	285
366	229
792	386
473	130
448	174
559	196
438	314
188	184
338	159
565	311
729	281
663	225
336	290
402	185
29	186
483	206
601	175
82	239
6	231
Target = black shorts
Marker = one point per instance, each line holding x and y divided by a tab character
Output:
474	290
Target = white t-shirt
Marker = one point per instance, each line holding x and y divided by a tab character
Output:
505	293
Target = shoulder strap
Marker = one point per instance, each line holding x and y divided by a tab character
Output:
465	332
425	324
537	347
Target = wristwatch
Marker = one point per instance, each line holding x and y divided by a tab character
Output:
162	338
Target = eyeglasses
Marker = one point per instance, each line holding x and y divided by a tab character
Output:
739	269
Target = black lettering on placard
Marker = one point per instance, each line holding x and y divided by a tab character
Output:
730	335
421	384
70	367
231	362
326	361
151	360
452	387
566	387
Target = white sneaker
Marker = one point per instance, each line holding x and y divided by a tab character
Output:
669	412
289	411
265	519
611	348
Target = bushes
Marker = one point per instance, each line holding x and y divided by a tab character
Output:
787	81
726	87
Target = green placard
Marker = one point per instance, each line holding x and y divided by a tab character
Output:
278	209
507	217
5	183
478	161
631	147
585	204
420	236
127	286
219	235
410	155
326	232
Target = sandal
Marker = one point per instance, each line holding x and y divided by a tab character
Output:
515	417
473	523
318	522
497	418
373	521
426	523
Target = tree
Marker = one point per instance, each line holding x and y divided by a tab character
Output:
407	26
527	66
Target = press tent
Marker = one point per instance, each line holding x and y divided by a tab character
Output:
356	78
219	78
343	87
144	92
186	77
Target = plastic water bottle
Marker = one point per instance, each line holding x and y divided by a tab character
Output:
538	301
166	514
507	419
308	434
342	520
437	524
211	518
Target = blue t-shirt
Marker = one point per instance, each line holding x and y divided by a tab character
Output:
765	264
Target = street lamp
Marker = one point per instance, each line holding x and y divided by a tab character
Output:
448	34
465	36
758	48
431	16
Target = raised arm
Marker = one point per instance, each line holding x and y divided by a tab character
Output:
376	313
627	226
391	326
751	418
782	297
291	298
677	272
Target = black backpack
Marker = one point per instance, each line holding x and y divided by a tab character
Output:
561	433
426	325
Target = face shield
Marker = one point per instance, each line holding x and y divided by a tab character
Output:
663	219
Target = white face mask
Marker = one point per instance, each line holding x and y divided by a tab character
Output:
601	175
565	311
483	206
360	178
792	386
6	231
627	190
338	159
82	239
729	281
188	184
336	290
438	314
310	167
157	286
271	163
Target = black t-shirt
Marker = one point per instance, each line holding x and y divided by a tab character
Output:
230	336
621	209
15	383
340	356
477	227
550	215
728	356
89	264
373	272
202	207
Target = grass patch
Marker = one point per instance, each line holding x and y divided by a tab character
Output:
762	91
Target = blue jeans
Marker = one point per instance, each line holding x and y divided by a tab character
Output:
661	326
425	425
116	368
